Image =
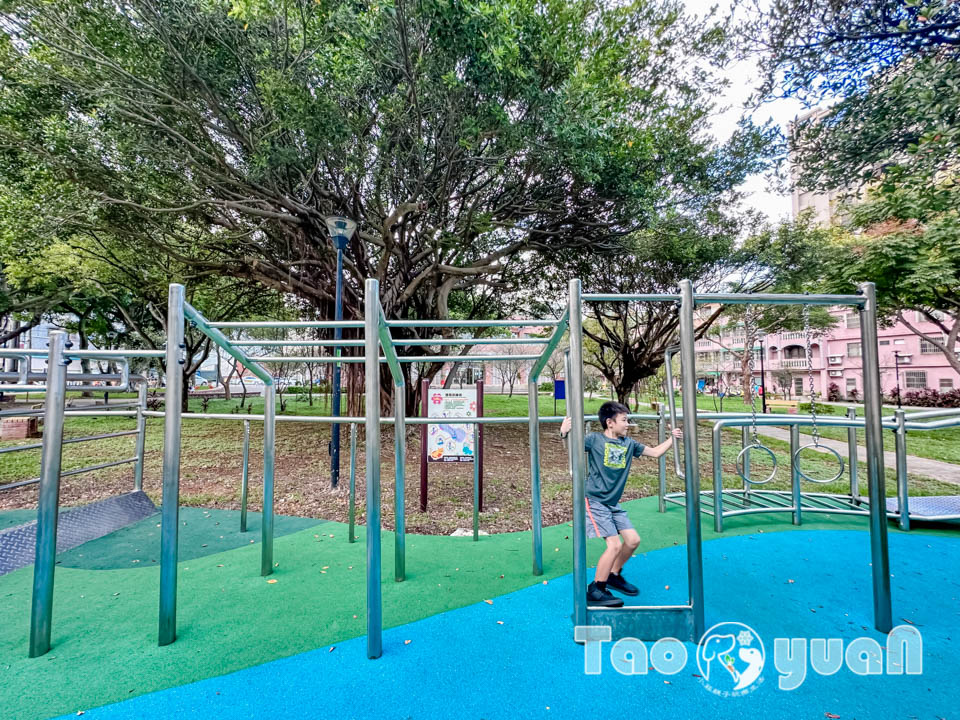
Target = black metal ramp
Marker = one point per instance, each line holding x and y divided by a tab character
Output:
74	527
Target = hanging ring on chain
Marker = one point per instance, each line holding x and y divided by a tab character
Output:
823	448
741	470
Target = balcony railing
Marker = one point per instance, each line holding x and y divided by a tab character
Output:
802	364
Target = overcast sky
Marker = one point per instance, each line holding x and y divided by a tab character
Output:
742	78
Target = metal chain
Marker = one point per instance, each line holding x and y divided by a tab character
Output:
753	396
813	404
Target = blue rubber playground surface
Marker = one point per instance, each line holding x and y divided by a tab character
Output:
514	657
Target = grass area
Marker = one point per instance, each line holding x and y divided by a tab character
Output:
212	452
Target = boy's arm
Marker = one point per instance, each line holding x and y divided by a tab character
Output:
658	450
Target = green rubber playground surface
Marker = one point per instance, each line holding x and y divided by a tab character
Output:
230	618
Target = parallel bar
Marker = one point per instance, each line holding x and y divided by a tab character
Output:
372	378
471	341
579	458
297	343
41	608
210	330
287	324
245	477
778	299
616	297
691	461
470	323
461	358
872	399
170	508
37	446
141	432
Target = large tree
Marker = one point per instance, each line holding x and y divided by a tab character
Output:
462	136
889	140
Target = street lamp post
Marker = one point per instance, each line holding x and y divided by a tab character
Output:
896	365
763	375
341	229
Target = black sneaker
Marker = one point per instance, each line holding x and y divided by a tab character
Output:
620	584
602	598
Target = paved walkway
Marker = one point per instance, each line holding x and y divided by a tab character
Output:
936	469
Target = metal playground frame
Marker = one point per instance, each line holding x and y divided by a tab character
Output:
685	622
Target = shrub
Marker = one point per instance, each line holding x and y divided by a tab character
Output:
833	393
933	398
804	408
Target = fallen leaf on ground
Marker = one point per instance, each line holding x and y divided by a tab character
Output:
271	581
406	642
499	622
489	602
332	648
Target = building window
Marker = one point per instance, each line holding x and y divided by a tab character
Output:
794	352
853	349
946	384
916	379
899	342
798	385
928	348
851	384
883	342
853	321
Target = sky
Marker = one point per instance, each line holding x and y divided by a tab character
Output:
742	77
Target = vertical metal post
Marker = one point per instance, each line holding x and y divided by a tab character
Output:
536	506
903	499
337	335
744	443
245	477
688	375
45	559
566	403
352	537
372	382
478	450
141	436
852	453
399	495
476	488
872	399
170	504
717	480
578	463
269	449
424	431
662	460
794	475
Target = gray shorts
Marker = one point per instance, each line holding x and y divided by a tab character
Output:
606	520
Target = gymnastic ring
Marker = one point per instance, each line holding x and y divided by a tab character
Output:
818	446
741	469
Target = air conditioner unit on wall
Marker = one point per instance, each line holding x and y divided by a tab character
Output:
836	373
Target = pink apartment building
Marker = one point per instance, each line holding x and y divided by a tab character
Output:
837	358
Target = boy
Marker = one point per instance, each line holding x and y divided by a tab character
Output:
609	455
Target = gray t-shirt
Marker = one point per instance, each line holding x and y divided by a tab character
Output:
608	465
